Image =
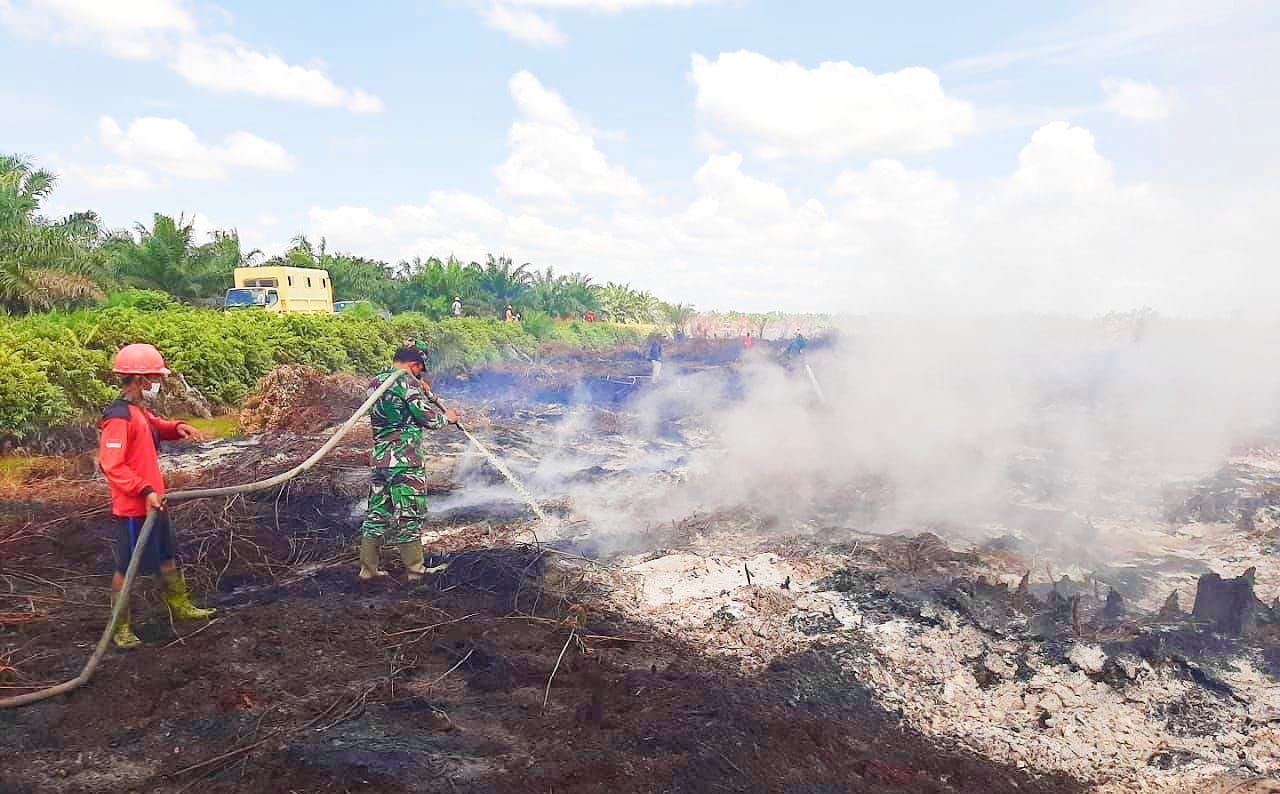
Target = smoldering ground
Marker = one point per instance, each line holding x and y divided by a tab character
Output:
1044	427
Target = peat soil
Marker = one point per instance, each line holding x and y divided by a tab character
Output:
502	674
512	671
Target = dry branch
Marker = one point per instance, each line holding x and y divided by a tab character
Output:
547	695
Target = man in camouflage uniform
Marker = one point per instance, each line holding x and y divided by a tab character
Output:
398	499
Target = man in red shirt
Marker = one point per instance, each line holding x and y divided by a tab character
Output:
130	435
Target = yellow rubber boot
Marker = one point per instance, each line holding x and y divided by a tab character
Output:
411	555
179	600
124	637
369	552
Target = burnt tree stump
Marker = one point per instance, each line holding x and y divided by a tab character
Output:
1228	604
1114	608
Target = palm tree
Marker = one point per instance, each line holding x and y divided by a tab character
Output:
226	245
546	291
352	277
560	295
501	282
413	288
679	315
43	264
357	278
166	257
580	295
302	253
454	279
431	286
623	304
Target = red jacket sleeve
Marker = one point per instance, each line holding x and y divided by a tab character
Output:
113	442
167	428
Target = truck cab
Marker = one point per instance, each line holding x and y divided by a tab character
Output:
251	298
281	290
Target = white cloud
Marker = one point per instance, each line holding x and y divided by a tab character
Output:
726	192
887	191
554	158
125	28
112	177
170	146
536	103
1060	159
524	26
450	223
1057	233
465	207
268	220
708	143
164	29
342	224
203	228
246	150
519	20
1138	101
226	65
829	111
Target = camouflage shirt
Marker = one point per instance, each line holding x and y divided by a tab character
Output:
398	418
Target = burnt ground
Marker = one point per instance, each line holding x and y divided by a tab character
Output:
309	681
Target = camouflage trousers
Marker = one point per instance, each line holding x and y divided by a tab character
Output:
397	505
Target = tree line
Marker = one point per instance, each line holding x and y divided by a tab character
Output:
76	261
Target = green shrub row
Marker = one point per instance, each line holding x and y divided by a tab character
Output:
55	368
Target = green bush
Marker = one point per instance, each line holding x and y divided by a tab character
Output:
57	366
147	300
599	336
29	403
361	311
539	325
80	374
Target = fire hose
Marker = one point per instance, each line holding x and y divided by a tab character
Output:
497	464
231	490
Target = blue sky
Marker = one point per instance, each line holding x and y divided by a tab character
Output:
737	154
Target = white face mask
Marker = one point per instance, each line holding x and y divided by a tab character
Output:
152	391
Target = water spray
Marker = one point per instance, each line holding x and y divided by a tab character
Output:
496	463
817	389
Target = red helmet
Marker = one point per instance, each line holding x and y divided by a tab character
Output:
139	359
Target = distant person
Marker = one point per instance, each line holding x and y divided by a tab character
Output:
456	308
398	497
746	341
590	316
797	345
655	357
509	314
127	455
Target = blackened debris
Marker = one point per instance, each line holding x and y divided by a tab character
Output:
1228	604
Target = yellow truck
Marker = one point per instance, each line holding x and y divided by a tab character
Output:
282	290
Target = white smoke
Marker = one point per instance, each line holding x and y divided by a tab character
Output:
1031	424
